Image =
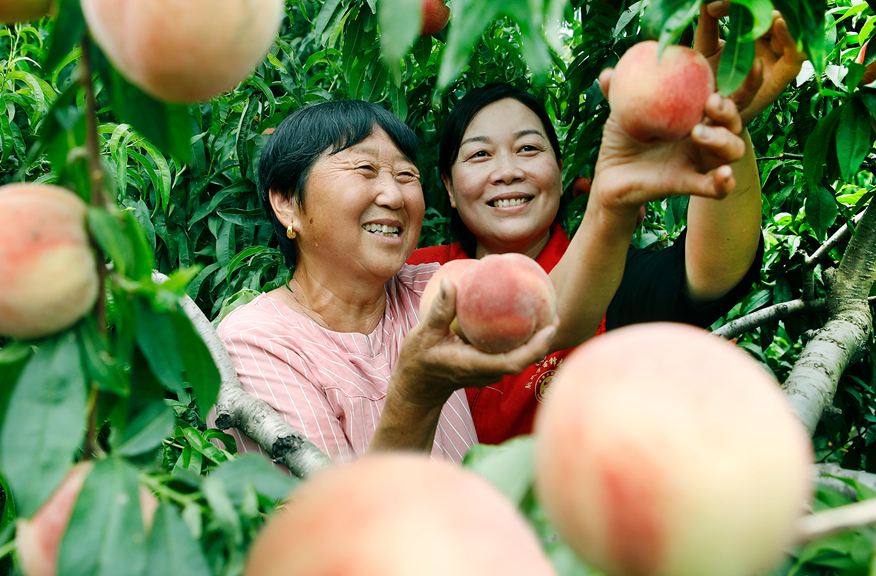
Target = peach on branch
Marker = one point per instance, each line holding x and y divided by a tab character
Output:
38	539
503	301
663	450
48	273
397	515
436	14
184	51
23	10
870	73
660	102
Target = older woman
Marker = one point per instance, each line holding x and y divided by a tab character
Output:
338	349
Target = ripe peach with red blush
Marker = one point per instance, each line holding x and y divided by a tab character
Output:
664	450
660	102
48	272
184	51
397	515
436	14
503	301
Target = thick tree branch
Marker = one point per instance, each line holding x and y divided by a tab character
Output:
255	418
811	385
830	243
774	313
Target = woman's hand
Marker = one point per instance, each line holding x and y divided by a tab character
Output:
629	173
434	361
777	59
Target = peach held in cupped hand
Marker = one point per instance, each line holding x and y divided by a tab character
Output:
663	450
184	51
660	103
503	301
397	515
38	539
48	273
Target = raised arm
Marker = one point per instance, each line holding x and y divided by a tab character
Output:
723	236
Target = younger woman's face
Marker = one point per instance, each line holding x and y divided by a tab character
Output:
506	181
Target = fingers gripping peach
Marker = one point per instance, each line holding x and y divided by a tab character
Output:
397	515
660	102
184	51
663	450
501	300
48	274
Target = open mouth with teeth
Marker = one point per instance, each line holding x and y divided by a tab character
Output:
382	230
509	203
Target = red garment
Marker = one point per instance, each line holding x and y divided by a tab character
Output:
507	408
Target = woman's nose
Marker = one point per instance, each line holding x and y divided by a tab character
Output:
390	193
506	169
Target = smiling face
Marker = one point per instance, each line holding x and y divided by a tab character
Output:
506	182
364	212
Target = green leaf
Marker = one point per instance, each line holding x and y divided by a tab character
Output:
201	371
148	430
156	337
13	359
197	441
101	368
815	152
68	31
667	19
853	138
172	550
761	14
109	233
251	468
167	126
821	210
45	422
106	535
738	55
400	23
224	514
806	22
509	466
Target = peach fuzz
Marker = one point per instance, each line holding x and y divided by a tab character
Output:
664	450
23	10
503	301
48	273
38	539
184	51
397	515
660	103
453	271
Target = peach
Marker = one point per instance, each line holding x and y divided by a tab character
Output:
48	273
453	271
870	73
184	51
663	450
660	103
436	14
503	301
23	10
396	515
39	538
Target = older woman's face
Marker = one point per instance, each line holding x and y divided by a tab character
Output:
364	210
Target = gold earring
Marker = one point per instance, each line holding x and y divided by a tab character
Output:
290	233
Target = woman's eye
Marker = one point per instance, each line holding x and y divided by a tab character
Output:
529	148
479	154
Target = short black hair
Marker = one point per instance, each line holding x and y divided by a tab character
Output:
303	136
457	123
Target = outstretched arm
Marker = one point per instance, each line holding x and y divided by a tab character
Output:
723	236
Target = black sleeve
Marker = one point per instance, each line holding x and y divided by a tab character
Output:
652	289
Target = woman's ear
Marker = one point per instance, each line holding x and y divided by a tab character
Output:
448	185
285	209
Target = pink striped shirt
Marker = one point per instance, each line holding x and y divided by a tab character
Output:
331	386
